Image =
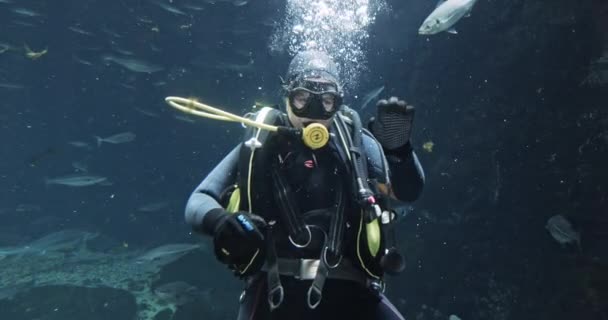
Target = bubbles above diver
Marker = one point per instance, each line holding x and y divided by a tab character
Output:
338	27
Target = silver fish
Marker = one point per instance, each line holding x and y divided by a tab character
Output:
26	12
169	8
371	96
12	86
562	231
122	137
76	180
178	292
166	253
80	31
79	144
134	65
153	207
445	15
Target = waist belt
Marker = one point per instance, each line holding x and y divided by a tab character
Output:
306	269
317	271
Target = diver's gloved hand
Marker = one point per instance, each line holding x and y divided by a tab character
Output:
238	241
392	125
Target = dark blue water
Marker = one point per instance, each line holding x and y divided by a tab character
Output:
520	134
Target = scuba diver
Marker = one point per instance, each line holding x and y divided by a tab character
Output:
304	214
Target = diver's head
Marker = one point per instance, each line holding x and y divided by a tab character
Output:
313	92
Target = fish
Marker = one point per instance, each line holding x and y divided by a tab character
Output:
193	7
178	292
62	240
445	16
11	86
4	47
166	253
80	31
562	231
371	96
169	8
153	207
134	65
428	146
34	55
123	137
79	144
240	3
76	180
26	12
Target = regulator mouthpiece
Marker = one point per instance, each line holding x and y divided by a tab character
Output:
315	136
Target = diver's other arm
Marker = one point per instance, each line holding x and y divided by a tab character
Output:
237	237
392	127
203	207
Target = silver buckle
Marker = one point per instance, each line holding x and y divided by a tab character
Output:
377	285
308	269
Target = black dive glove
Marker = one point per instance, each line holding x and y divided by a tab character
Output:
392	125
237	240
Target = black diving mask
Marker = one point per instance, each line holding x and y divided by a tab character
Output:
314	99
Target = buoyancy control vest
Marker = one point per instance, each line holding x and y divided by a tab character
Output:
262	189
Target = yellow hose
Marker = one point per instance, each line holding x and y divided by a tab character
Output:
202	110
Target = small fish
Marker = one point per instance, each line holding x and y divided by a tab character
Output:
123	137
76	180
11	86
178	293
184	118
193	7
79	144
240	3
4	47
82	61
562	231
26	12
134	65
34	55
445	15
146	112
153	207
169	8
428	146
80	31
371	96
166	253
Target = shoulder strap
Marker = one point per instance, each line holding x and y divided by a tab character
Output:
248	154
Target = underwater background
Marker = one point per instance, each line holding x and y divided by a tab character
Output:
511	128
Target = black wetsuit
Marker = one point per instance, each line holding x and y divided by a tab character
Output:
313	177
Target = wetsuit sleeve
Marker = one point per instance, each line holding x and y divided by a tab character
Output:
205	199
404	172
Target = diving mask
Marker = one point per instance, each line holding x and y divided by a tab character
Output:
314	99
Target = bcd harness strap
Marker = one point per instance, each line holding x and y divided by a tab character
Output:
298	230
